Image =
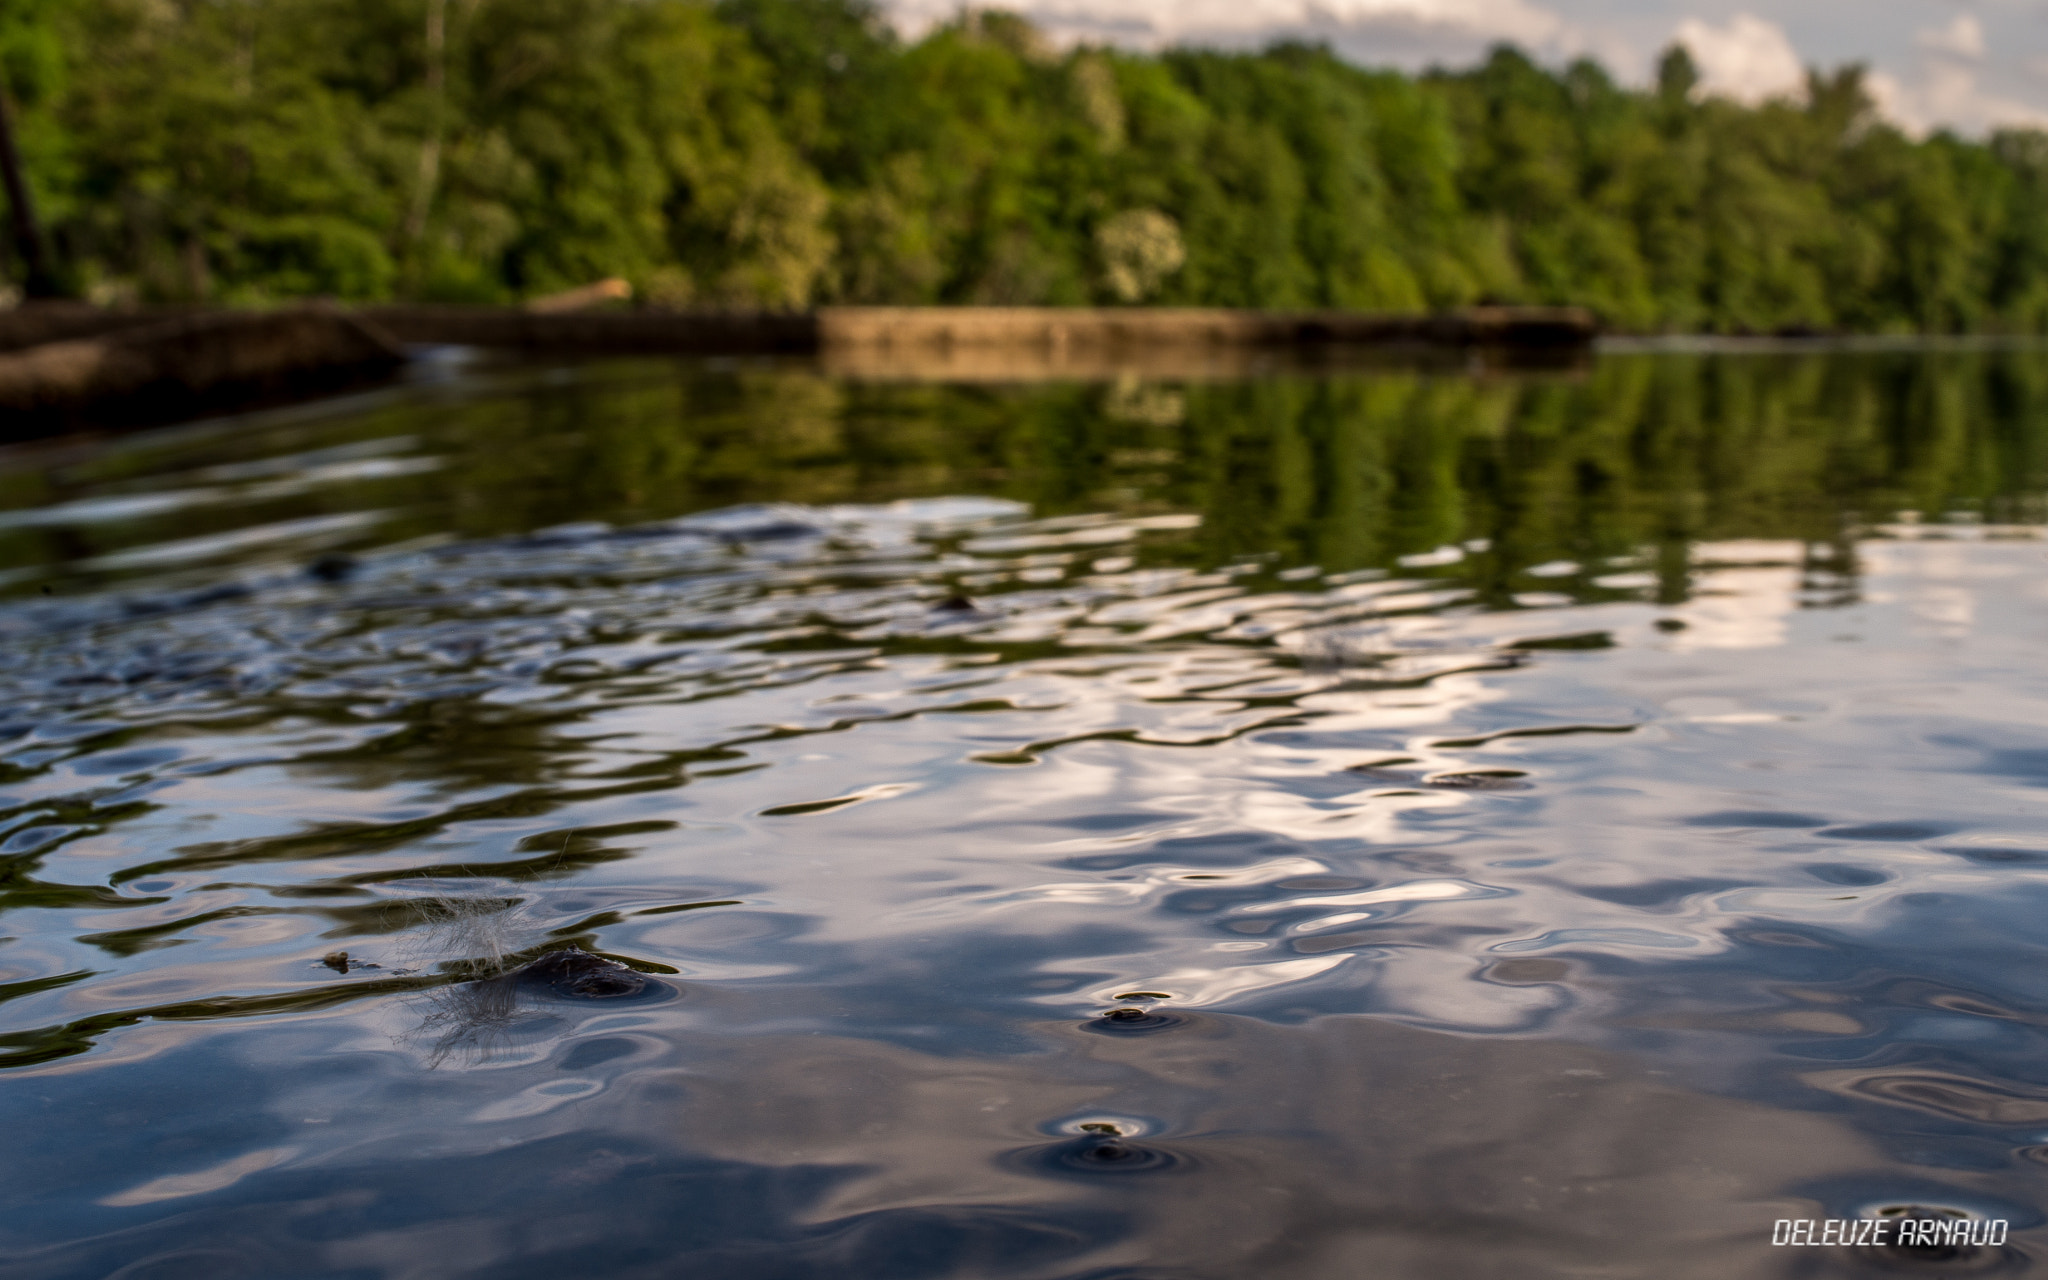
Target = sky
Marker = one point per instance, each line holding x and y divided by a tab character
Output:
1968	65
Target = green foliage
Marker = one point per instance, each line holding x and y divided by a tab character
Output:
786	153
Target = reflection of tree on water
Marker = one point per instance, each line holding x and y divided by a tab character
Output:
1633	460
1640	456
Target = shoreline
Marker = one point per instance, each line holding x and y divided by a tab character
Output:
65	365
68	365
887	328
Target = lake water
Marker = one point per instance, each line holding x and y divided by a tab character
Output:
1381	824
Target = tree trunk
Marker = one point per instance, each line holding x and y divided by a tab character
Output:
39	277
437	103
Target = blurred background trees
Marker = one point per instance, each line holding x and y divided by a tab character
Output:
788	153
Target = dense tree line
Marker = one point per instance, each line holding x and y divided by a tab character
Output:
786	153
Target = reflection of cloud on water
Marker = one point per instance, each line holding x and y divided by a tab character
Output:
1137	890
1413	891
1938	580
1944	610
1118	820
1738	609
200	1182
1206	987
1513	1150
1743	593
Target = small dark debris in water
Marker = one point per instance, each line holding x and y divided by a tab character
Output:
1382	774
1102	1127
771	531
1543	731
579	975
1577	640
333	568
1465	780
781	530
1132	1020
1480	780
689	906
1144	995
1672	624
1379	765
340	962
961	604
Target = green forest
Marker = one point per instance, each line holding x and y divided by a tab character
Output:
793	153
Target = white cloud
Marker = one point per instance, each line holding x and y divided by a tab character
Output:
1947	94
1963	38
1748	60
1935	63
1951	84
1158	22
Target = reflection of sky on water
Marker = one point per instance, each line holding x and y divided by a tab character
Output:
1588	934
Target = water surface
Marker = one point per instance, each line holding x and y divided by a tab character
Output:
1392	824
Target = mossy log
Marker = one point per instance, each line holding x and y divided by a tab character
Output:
36	323
66	364
1136	329
187	363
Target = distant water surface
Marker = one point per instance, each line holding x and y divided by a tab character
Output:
643	819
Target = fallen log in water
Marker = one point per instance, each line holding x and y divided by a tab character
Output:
36	323
1136	329
603	332
1030	343
186	364
62	364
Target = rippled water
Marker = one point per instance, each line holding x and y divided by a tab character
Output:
642	820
